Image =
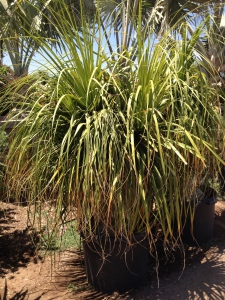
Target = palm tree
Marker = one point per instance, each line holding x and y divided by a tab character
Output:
119	18
164	14
13	33
22	20
212	46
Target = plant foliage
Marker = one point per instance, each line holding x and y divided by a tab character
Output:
124	143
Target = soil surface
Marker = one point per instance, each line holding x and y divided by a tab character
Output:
25	275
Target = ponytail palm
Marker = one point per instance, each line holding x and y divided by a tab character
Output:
118	143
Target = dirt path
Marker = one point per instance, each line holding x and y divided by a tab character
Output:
25	276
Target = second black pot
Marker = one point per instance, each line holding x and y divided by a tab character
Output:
202	224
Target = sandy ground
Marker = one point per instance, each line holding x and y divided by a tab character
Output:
24	275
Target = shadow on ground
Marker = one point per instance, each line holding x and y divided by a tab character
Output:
16	246
7	219
202	278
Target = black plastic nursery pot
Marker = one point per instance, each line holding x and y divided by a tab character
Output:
202	224
116	266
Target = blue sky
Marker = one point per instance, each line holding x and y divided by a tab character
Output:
36	63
